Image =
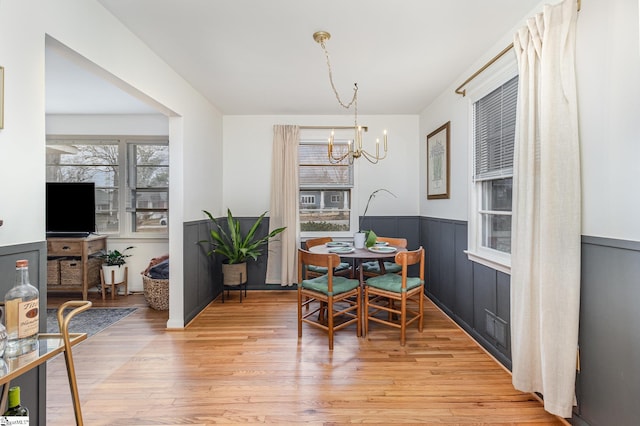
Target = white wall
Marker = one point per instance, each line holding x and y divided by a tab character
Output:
453	109
247	161
112	124
607	66
22	174
195	126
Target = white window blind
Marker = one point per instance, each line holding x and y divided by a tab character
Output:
494	122
316	171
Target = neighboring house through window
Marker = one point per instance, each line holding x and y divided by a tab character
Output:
131	175
325	200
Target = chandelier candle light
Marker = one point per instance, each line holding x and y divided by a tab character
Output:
355	149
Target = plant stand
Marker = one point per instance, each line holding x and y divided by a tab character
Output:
228	287
234	276
114	285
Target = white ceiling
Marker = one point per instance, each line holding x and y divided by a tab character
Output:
259	57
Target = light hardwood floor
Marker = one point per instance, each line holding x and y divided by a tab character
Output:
243	363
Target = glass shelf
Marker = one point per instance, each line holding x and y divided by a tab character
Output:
49	345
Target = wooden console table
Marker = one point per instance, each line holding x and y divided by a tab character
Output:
79	249
49	345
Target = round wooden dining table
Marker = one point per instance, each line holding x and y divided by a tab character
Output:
359	255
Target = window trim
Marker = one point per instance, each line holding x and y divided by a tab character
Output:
501	72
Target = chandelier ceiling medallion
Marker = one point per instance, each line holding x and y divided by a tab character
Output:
355	149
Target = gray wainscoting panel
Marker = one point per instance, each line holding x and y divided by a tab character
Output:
463	277
503	312
433	255
257	270
200	288
492	310
33	383
447	249
395	226
609	381
484	281
473	295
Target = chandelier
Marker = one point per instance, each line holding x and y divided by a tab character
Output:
354	150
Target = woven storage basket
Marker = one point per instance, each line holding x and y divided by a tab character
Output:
93	271
71	272
53	272
156	292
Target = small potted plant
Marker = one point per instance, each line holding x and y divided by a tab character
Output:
113	260
236	248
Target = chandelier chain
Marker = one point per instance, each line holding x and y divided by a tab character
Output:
354	99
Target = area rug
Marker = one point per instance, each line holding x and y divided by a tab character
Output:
91	321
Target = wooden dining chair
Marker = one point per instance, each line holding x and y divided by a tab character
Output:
372	268
344	269
339	296
396	300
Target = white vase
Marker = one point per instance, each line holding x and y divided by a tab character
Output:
118	273
358	239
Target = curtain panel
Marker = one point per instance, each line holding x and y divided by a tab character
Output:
545	260
281	262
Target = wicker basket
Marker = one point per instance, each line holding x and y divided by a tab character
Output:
53	272
156	292
71	272
94	264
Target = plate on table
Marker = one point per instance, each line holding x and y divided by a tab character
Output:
382	249
381	243
341	250
337	244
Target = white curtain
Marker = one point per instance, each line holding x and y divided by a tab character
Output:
545	260
281	262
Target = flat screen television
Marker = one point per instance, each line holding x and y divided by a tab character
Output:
71	209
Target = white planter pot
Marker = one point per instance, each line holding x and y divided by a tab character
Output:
118	273
358	239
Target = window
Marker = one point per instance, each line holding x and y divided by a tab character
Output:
131	177
325	190
148	176
494	118
307	199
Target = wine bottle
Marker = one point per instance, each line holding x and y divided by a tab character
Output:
16	413
22	305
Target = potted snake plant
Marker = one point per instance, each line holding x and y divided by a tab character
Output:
236	248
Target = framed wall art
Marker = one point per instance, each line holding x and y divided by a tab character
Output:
438	162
